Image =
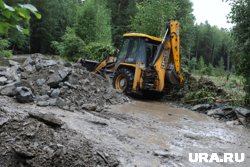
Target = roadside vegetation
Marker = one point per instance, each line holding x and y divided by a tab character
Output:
93	29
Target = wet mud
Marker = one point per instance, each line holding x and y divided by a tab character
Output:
146	134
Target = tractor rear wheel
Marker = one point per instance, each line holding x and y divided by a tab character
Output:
123	80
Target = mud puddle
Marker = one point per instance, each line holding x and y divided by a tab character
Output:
178	132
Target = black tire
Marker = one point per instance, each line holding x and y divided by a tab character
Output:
123	75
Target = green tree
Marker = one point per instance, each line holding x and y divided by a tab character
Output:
240	17
201	64
71	46
57	15
153	15
4	45
212	44
93	22
121	13
184	14
220	68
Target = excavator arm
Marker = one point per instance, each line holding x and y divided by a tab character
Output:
168	55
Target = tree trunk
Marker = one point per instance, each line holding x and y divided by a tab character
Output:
228	61
212	55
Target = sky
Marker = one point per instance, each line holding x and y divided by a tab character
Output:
214	11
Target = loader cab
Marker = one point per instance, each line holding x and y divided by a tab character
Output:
138	48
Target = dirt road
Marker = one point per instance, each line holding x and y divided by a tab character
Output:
150	133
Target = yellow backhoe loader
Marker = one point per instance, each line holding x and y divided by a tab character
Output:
144	63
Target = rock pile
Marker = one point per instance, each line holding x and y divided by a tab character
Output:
56	83
231	115
41	140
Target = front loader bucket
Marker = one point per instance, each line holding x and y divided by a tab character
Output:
172	77
90	65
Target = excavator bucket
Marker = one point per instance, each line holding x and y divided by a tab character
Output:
106	65
90	65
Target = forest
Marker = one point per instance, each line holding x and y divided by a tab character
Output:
93	29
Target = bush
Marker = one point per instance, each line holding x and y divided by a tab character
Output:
4	45
192	64
98	51
71	47
208	70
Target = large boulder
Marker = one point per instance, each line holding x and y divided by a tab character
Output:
24	95
89	107
46	63
8	90
55	93
3	80
40	82
13	63
48	119
58	76
201	107
242	111
217	111
12	73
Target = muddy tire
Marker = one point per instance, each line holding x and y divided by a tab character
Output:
123	80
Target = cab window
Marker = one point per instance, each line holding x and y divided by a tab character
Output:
124	49
133	50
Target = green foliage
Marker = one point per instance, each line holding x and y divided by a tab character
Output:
19	42
201	64
93	22
208	69
4	44
12	16
121	14
71	46
98	51
212	44
208	89
203	68
203	95
57	15
152	16
91	36
240	17
103	24
220	69
184	14
192	64
85	22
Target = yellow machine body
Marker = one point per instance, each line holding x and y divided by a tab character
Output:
145	62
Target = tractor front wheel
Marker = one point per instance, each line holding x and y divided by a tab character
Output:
123	80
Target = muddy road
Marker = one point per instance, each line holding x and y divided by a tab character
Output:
146	134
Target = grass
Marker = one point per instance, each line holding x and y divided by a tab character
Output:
233	85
